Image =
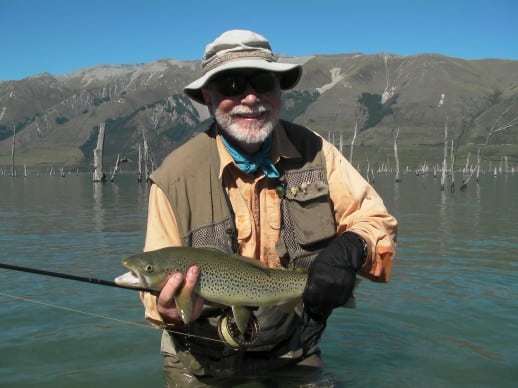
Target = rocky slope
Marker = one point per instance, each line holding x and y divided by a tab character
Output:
57	117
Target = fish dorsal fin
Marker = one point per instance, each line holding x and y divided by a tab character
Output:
254	262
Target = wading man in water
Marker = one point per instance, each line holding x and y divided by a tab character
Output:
268	189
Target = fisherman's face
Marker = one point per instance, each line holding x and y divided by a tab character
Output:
246	104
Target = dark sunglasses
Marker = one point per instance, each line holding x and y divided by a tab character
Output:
233	84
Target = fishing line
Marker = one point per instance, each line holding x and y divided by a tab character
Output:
90	280
168	327
74	310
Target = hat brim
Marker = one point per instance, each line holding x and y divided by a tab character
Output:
290	75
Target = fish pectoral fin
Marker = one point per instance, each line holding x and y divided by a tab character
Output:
241	317
184	304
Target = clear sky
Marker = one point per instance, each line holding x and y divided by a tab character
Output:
60	36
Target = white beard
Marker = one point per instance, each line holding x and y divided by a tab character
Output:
247	133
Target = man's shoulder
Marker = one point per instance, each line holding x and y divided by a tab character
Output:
301	136
193	149
190	156
291	126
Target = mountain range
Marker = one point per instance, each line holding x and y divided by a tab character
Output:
370	101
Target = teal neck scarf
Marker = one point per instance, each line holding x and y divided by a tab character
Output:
251	163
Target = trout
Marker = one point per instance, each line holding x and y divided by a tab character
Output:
230	280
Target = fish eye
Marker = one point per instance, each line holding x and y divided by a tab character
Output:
148	268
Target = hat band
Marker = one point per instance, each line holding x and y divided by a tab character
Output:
216	61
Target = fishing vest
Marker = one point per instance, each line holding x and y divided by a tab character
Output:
203	212
204	218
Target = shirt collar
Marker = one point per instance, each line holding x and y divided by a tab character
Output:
282	147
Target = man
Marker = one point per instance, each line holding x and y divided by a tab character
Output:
268	189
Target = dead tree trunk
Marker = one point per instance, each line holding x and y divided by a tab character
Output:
139	167
98	174
115	168
466	167
396	156
478	165
353	140
452	161
445	156
13	168
146	156
118	162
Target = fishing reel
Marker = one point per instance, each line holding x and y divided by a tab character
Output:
229	332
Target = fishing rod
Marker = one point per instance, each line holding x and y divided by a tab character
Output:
229	336
73	277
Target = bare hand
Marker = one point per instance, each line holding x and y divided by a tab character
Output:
166	303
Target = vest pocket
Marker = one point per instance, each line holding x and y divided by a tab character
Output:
310	212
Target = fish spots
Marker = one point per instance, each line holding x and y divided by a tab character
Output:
224	279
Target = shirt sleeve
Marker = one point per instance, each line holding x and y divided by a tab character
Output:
162	231
359	208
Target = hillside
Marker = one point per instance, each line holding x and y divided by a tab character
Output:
57	117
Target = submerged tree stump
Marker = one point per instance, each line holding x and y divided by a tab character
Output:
116	167
98	174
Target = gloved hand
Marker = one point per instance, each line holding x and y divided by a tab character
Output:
332	275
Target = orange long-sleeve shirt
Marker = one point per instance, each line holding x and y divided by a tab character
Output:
357	207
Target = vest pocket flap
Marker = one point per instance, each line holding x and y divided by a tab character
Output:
307	192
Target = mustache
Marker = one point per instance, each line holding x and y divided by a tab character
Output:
247	110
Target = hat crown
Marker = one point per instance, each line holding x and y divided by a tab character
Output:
236	40
236	44
241	49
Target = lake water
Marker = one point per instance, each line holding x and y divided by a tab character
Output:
448	318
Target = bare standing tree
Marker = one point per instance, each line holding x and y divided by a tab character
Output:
118	162
13	168
98	174
386	96
445	155
154	118
146	155
396	156
139	168
452	164
496	127
358	122
353	140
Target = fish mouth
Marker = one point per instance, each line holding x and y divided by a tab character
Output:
130	279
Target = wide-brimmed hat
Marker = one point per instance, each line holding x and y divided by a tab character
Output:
241	49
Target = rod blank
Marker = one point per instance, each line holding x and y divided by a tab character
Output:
72	277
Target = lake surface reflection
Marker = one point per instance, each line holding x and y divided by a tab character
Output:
447	318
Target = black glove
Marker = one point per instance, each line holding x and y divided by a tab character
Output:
332	275
311	331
